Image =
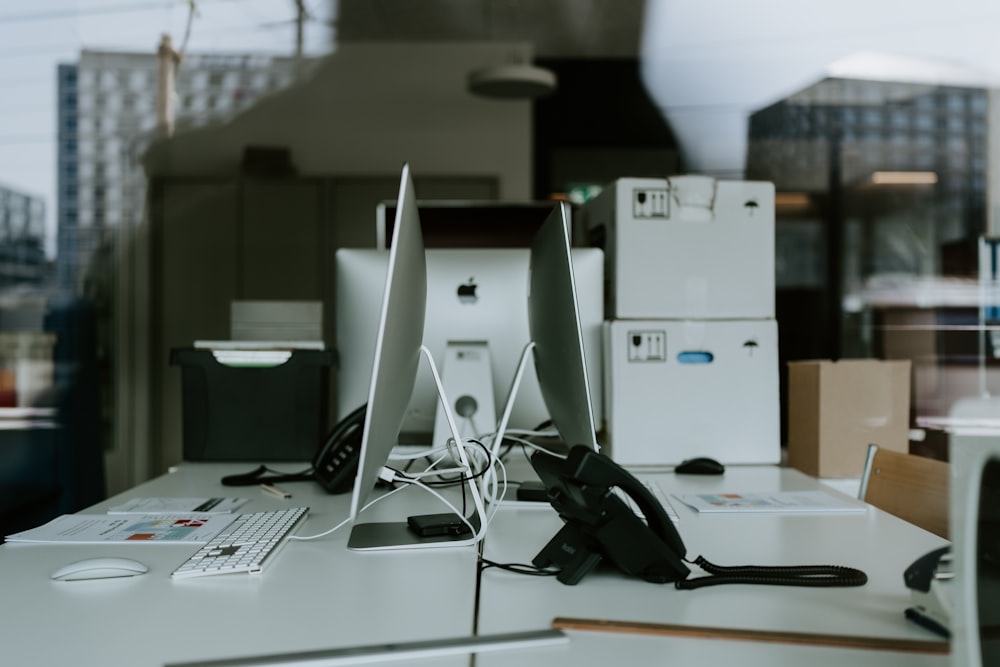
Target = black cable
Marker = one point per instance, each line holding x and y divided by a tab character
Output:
264	475
817	576
305	473
511	443
461	479
517	568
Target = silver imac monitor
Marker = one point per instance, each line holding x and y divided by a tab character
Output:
474	295
393	367
557	332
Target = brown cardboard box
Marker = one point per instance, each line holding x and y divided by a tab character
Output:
837	408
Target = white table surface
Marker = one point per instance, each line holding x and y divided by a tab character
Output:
317	595
872	541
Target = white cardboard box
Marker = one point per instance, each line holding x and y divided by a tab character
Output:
685	247
677	389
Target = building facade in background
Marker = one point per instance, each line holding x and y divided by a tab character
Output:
883	197
22	238
107	117
907	162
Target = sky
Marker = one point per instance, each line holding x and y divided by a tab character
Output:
36	36
707	63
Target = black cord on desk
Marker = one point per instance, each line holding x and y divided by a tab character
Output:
817	576
517	568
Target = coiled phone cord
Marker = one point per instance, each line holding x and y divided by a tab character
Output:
778	575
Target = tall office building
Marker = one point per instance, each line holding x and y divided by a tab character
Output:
851	129
106	118
22	234
882	188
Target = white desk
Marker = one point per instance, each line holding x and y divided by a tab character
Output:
873	541
317	595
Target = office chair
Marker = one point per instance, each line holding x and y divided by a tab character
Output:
913	488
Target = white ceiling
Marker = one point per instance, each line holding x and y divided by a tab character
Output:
556	28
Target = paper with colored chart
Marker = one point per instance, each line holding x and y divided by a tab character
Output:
149	528
779	502
178	506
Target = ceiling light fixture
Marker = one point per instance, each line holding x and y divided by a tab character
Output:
516	79
512	82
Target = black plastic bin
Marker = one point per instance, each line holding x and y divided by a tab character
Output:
239	413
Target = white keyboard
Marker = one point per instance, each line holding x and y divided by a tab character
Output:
245	545
657	492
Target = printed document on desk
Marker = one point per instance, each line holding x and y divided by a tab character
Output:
782	502
178	506
104	529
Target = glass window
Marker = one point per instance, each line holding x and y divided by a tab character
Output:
901	195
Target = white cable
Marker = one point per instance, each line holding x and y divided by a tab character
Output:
348	519
423	454
547	433
323	534
493	509
532	445
508	407
477	500
432	473
497	488
489	480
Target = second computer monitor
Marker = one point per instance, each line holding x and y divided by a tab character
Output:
554	318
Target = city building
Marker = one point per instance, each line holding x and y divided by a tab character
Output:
22	234
924	145
885	186
107	116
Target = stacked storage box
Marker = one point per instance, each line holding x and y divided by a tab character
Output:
691	343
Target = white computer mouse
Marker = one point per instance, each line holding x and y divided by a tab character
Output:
107	567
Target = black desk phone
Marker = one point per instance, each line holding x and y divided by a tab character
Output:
336	463
598	525
334	466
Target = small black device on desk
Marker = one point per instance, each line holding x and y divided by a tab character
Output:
430	525
532	491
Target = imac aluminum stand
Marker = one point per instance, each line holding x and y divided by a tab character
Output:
399	535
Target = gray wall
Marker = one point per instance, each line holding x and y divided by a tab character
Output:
368	108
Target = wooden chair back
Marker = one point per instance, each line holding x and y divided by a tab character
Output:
913	488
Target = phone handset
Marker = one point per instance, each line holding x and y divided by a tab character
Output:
600	526
650	508
336	462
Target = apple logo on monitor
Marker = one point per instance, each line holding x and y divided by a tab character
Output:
467	291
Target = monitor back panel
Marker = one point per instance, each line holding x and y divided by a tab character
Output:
472	294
